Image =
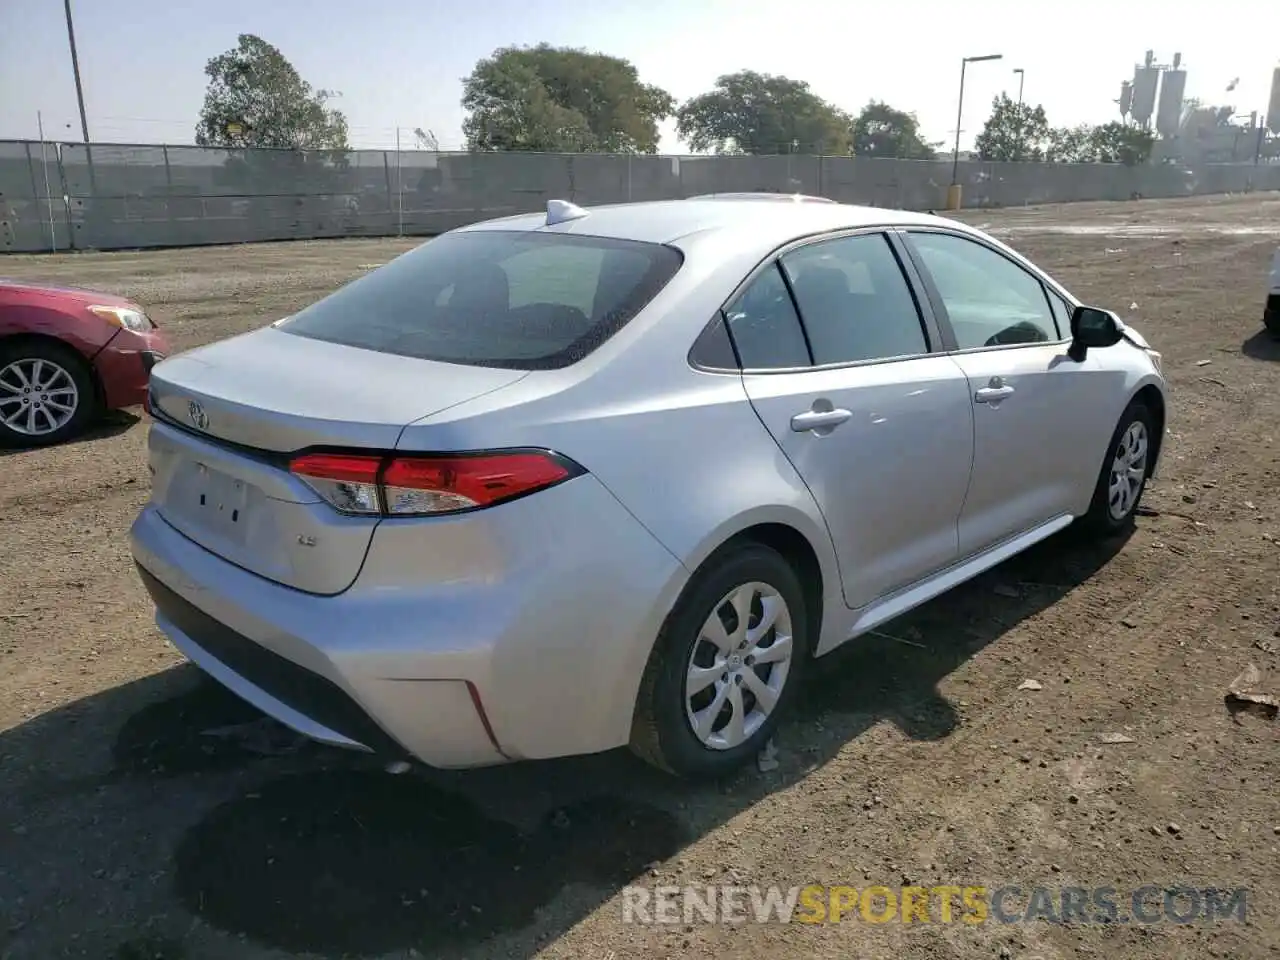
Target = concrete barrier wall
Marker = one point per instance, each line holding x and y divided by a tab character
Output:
110	196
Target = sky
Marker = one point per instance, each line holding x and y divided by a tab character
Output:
398	64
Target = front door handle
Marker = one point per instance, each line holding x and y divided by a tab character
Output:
992	394
819	420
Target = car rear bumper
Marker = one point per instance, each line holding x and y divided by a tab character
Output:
124	366
303	700
543	661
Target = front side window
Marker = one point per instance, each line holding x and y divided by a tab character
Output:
525	301
990	300
854	300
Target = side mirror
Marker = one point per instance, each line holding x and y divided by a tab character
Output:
1093	327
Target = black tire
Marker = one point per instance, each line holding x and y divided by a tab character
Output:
87	403
1271	319
661	733
1100	521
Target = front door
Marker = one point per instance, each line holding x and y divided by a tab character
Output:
878	428
1035	415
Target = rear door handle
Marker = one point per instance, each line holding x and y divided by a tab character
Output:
819	420
992	394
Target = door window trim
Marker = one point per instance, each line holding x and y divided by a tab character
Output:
1046	283
935	334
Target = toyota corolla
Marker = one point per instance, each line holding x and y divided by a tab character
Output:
559	483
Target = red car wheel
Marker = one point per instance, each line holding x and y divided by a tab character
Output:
47	394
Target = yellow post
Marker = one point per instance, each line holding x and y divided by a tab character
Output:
953	196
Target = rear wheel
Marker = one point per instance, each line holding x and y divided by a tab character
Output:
725	667
1123	477
46	393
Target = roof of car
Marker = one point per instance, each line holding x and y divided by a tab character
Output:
665	221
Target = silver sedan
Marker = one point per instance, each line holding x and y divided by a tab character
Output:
558	483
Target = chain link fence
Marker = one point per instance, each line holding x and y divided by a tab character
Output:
65	196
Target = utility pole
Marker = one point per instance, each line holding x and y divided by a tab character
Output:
1022	77
75	68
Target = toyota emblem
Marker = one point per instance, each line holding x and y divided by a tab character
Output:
197	415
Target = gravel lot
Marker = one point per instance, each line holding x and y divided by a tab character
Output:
134	825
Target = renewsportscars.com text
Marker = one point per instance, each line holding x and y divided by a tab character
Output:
972	904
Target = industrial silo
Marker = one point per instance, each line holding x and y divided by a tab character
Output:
1126	97
1169	115
1143	104
1273	106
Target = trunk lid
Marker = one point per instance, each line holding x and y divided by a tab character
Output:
237	409
273	391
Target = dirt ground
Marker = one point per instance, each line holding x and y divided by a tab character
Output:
144	815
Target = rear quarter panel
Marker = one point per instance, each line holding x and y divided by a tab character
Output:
694	466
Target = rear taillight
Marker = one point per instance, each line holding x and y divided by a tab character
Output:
348	482
415	486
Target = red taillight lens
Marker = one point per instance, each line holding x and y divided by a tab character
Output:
424	486
438	485
348	482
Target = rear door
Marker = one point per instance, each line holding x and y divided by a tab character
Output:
837	361
1036	412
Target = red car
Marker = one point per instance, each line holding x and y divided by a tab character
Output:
66	356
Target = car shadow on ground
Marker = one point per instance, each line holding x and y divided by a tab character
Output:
207	810
1263	345
111	424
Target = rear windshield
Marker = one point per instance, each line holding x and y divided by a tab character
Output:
526	301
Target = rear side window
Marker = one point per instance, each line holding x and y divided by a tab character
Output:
520	300
765	327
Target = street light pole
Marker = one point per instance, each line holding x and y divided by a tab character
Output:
953	192
955	154
1022	76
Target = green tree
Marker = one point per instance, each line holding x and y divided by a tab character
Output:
1072	145
1110	143
749	112
881	131
1117	142
1014	132
561	100
256	98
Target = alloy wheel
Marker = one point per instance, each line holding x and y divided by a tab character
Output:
37	396
1128	471
738	666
